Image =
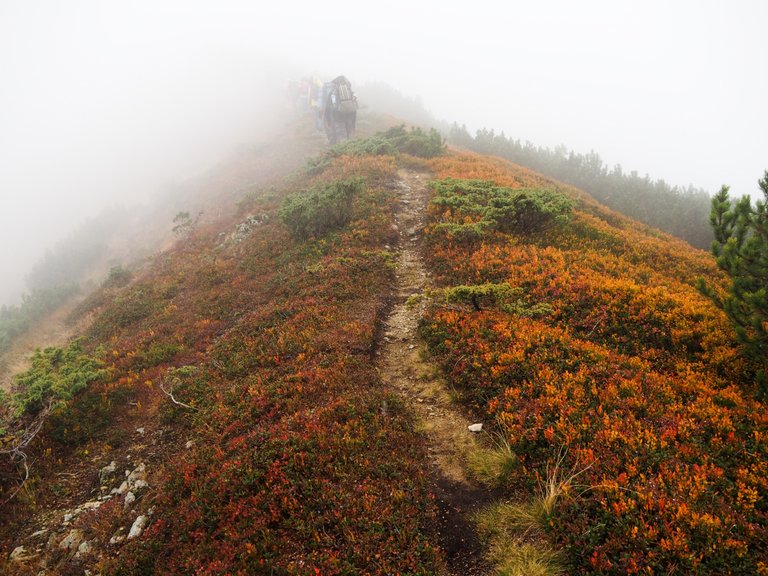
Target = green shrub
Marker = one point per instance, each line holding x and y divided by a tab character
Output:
463	233
118	277
519	211
501	296
415	142
56	374
320	209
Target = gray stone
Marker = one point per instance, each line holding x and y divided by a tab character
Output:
138	527
84	548
106	473
140	485
71	540
139	473
118	536
475	427
130	498
122	489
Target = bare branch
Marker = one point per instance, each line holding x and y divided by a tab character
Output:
16	452
169	393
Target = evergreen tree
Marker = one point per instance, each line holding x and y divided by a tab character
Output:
741	250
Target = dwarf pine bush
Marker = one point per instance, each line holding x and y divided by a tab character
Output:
320	209
517	211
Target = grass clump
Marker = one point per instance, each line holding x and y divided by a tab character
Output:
320	209
512	533
515	531
493	465
524	559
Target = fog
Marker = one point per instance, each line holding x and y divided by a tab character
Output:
105	102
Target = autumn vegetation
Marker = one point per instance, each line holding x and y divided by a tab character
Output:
628	384
259	349
629	431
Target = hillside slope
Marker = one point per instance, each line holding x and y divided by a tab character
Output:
243	412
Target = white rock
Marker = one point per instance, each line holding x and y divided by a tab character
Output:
69	517
475	427
84	548
130	498
118	536
38	533
140	484
122	490
140	430
107	471
71	540
92	505
139	473
18	552
189	444
137	527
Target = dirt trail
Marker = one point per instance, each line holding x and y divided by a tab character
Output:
401	365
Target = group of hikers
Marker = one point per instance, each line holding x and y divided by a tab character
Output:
333	104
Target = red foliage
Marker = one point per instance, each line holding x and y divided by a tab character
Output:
630	370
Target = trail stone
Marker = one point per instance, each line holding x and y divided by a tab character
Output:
130	498
71	540
84	548
122	489
106	473
118	536
138	527
140	484
475	427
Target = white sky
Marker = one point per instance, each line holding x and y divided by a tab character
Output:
102	100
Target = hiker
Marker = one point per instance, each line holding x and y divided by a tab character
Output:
316	101
339	109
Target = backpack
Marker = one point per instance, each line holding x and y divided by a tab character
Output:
345	98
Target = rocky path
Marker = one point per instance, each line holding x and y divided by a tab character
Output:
401	366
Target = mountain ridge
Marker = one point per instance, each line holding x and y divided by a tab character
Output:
246	357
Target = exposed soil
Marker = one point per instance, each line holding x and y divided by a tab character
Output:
401	365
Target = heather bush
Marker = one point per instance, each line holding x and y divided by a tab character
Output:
320	209
481	204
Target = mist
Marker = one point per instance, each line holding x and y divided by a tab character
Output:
106	103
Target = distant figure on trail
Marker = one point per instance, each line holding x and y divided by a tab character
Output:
339	109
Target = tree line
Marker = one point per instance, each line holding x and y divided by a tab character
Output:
683	212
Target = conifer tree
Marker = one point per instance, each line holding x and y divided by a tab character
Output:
741	250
